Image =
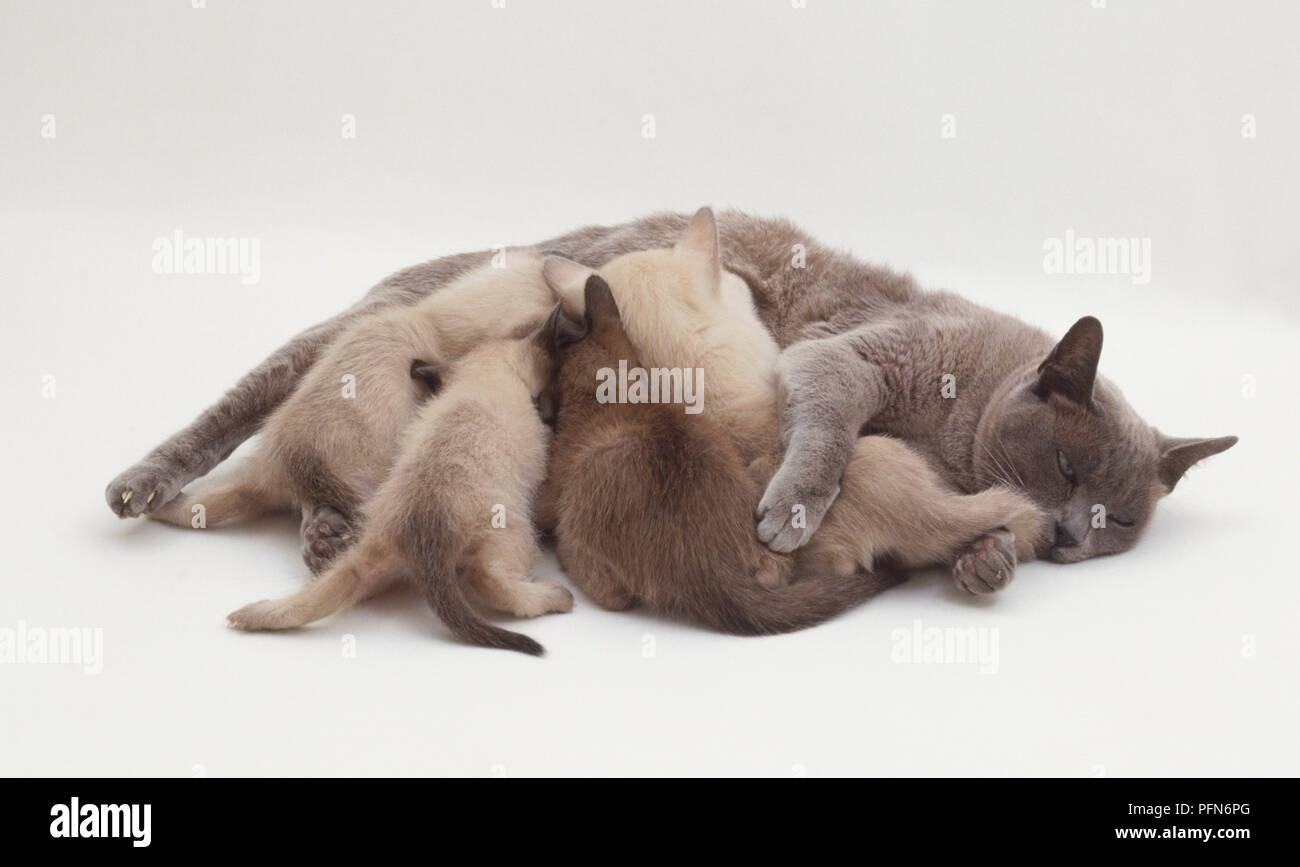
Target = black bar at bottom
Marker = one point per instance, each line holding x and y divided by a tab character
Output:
328	816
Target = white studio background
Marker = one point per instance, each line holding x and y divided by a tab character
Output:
953	139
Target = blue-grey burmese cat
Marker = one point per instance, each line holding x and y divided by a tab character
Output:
986	398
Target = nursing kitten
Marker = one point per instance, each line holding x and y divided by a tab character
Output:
652	506
331	444
455	512
680	310
865	350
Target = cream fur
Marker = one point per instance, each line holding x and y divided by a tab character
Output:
476	452
678	311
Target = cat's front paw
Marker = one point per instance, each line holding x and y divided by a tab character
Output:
988	564
143	488
791	510
326	533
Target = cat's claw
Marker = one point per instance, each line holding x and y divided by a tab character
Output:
790	513
988	564
326	533
141	489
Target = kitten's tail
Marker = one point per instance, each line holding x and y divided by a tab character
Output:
742	606
433	551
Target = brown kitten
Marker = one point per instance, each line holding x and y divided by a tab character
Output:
678	309
652	506
864	351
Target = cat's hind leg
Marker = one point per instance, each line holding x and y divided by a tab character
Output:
255	489
326	533
329	505
893	504
370	567
499	575
594	577
988	564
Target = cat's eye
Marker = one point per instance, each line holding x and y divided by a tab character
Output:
1123	522
1064	465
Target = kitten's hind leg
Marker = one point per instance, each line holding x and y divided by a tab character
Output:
370	567
594	577
255	490
499	574
893	504
326	533
328	504
988	564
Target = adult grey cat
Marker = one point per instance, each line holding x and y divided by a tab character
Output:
865	350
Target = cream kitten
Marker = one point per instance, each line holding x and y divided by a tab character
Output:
455	510
328	448
679	309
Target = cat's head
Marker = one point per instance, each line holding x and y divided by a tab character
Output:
580	344
1070	441
666	295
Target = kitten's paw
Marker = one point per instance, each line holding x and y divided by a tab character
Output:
988	564
791	511
267	614
535	598
326	533
142	489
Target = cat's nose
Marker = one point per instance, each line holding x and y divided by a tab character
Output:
1065	537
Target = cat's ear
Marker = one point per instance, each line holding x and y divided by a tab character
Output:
429	374
1178	454
700	242
566	279
562	329
599	299
1071	368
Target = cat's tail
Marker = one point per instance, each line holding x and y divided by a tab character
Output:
741	605
433	550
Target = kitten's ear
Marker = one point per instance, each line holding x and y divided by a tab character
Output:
599	299
562	329
566	279
700	242
1177	454
429	374
1071	368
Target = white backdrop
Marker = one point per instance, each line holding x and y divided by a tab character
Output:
952	139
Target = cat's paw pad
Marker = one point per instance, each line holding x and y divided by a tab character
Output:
790	512
326	533
988	564
142	489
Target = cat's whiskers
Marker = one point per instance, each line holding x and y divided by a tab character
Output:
998	473
1008	463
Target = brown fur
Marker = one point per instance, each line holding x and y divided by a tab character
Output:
677	308
652	506
863	352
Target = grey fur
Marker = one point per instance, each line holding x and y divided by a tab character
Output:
865	351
